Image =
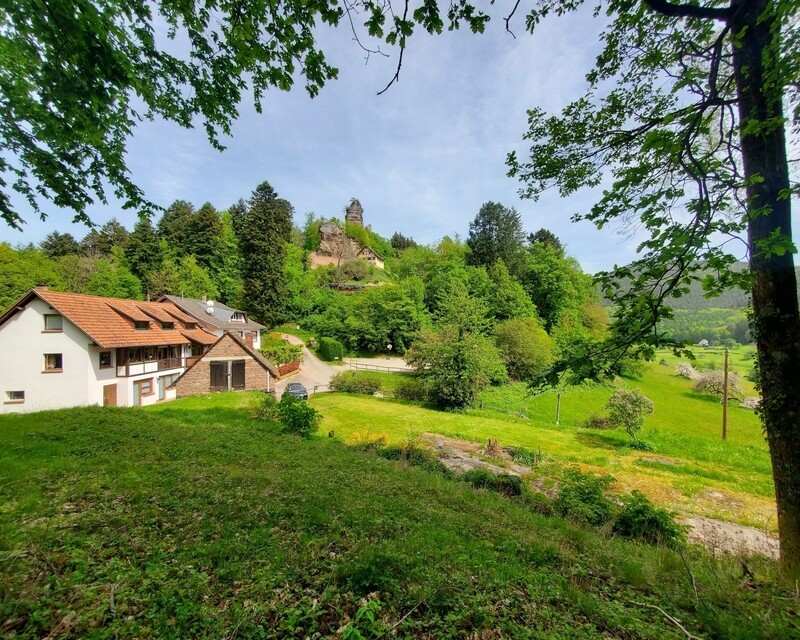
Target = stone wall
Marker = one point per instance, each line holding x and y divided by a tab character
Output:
197	380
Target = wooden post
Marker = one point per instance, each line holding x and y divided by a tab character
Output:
725	398
558	408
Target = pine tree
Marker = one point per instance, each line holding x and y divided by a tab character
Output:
266	229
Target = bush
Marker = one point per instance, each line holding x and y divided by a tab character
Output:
627	409
267	408
631	368
581	497
539	503
687	371
523	456
596	421
502	483
411	389
638	518
414	454
713	383
355	382
330	349
298	417
641	445
750	403
279	351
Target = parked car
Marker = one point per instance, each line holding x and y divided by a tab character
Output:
296	390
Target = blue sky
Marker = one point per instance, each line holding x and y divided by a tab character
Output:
421	158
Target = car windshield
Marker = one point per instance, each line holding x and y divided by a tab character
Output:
296	386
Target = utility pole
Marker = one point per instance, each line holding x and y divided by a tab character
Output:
558	407
725	398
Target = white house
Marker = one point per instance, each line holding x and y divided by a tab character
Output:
62	350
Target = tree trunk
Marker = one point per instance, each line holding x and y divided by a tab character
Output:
776	320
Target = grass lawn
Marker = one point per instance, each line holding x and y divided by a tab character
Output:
691	470
191	520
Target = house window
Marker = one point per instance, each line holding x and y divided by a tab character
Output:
191	325
141	325
146	387
105	359
53	362
149	354
167	325
237	317
15	397
53	322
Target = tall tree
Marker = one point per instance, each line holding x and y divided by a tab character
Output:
496	234
546	236
684	113
204	235
57	244
174	226
100	243
266	230
143	251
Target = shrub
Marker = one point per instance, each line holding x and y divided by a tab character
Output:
596	421
713	383
502	483
267	408
627	409
539	503
638	518
298	417
411	389
641	445
330	349
415	454
686	371
282	352
631	368
582	498
355	382
750	403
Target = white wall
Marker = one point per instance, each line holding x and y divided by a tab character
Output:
23	344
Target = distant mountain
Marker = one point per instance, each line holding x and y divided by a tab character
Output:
730	299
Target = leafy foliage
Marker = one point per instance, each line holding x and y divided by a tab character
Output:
713	383
582	497
496	234
330	349
526	348
355	382
639	518
503	483
628	408
298	417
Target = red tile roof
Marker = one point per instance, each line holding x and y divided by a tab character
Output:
109	321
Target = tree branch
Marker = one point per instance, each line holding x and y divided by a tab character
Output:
689	10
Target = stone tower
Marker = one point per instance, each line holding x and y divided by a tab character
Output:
354	214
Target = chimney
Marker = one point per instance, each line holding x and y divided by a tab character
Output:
42	287
203	297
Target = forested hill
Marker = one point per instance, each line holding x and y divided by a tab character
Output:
730	299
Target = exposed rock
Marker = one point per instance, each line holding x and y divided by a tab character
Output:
355	213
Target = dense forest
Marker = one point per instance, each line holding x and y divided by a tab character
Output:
516	297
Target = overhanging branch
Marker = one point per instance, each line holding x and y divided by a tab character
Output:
689	10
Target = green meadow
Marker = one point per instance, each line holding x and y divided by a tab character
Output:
193	520
691	470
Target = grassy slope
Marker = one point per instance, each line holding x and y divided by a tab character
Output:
191	520
731	480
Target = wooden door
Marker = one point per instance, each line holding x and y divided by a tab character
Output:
219	376
237	375
110	395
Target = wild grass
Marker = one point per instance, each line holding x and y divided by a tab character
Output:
691	470
191	519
